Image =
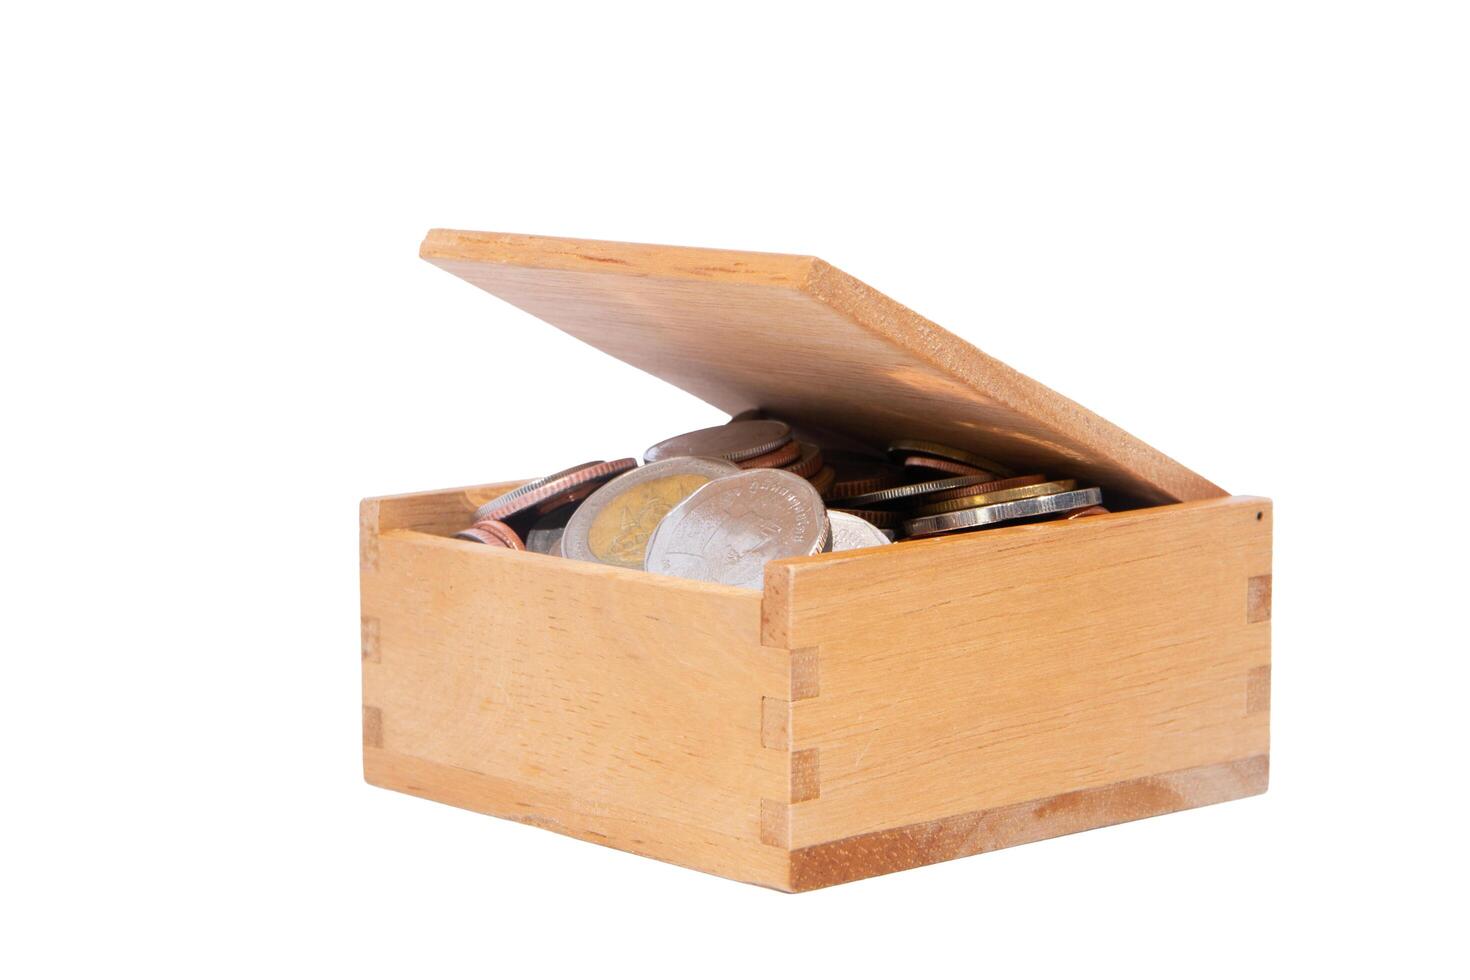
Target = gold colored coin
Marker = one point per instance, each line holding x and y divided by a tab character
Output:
996	497
619	534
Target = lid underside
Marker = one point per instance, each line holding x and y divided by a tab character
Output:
810	344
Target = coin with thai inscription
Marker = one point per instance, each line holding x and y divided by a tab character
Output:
550	492
850	532
612	526
493	533
734	441
727	530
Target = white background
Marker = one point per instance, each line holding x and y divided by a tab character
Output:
1238	230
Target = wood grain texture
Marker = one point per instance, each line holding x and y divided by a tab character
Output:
611	705
886	851
985	670
804	340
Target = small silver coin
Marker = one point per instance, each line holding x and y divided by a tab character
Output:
613	525
733	441
850	532
729	528
1011	510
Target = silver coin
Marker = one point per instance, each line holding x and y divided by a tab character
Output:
733	441
911	490
850	532
728	529
1011	510
613	525
544	537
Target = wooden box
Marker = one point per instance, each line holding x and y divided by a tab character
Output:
867	711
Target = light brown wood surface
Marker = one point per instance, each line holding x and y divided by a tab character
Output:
987	670
869	711
802	339
611	705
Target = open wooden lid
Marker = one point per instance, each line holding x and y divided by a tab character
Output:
810	344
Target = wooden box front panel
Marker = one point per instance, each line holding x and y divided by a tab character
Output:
1024	682
614	706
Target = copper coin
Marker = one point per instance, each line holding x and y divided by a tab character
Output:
910	490
944	466
494	533
749	415
1006	484
825	479
1086	512
878	518
553	491
777	459
734	441
857	474
922	447
810	463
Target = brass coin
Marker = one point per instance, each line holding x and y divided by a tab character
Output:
810	462
922	447
777	459
612	527
1006	484
734	441
552	491
995	497
493	533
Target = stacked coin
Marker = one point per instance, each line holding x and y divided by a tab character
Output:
948	489
717	504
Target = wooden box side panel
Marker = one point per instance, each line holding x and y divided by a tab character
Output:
1000	687
613	706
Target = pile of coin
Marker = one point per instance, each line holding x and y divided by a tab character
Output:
716	504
